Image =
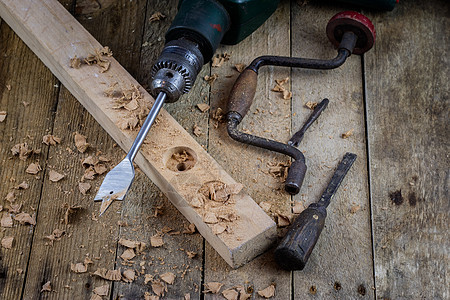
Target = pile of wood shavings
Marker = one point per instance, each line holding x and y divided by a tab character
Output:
279	87
97	58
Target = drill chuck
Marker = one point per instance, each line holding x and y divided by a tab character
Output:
176	69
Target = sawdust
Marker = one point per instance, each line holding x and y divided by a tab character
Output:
33	169
51	140
168	277
347	134
112	275
203	107
25	218
311	105
84	187
157	16
157	240
78	267
75	62
213	287
240	67
101	290
230	294
56	235
47	287
23	186
55	176
3	115
211	79
23	151
268	292
7	242
158	287
128	254
80	142
6	221
129	275
219	59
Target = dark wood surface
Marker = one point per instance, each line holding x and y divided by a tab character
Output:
386	236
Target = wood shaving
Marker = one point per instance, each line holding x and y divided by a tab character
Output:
112	275
70	210
168	277
158	287
128	254
139	246
23	186
75	62
56	235
148	296
279	170
129	275
7	242
3	115
287	95
219	59
218	228
80	142
213	287
147	278
347	134
6	221
96	297
311	105
230	294
23	151
355	209
98	59
189	229
198	131
266	206
15	208
101	290
25	218
283	220
219	191
100	169
210	218
55	176
88	261
203	107
211	79
298	207
218	115
89	161
47	287
279	87
157	16
187	297
156	240
191	254
89	173
51	140
240	67
243	295
33	169
78	267
84	187
268	292
10	197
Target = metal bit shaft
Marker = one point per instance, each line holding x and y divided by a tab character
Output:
118	181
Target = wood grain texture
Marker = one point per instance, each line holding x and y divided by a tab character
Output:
342	259
269	116
22	79
407	108
253	231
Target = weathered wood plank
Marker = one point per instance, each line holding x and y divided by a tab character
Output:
269	117
144	197
84	236
342	259
28	93
407	107
253	230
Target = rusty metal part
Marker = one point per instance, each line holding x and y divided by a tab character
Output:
351	32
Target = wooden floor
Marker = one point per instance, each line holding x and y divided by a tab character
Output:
386	234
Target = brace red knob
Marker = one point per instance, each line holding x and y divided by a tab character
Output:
356	23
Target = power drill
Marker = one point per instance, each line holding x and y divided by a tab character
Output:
195	34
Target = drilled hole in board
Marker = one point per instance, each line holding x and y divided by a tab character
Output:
180	159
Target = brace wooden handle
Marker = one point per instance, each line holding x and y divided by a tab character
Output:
243	92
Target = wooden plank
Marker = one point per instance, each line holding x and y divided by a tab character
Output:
253	231
145	197
341	263
21	80
407	108
84	236
270	117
